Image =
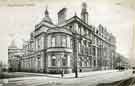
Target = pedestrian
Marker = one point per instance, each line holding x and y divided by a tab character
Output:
62	73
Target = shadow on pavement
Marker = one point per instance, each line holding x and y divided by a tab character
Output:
126	82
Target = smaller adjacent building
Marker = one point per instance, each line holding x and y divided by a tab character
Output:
14	57
121	61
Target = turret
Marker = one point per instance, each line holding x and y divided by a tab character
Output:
47	17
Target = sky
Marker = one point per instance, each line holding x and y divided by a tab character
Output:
18	19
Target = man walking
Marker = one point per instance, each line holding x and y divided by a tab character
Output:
62	73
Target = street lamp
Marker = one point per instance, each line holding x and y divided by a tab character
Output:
76	55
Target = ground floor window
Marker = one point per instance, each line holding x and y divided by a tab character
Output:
90	61
39	62
80	63
94	62
64	60
53	61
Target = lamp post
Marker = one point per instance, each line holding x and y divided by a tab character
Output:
75	48
75	55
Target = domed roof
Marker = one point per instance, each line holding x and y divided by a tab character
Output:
13	45
47	19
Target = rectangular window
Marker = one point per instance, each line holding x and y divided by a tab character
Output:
71	43
85	31
49	41
53	42
42	42
64	41
68	42
79	47
85	42
80	64
64	60
82	31
38	44
94	51
85	63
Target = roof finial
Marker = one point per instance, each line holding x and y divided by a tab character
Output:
84	5
47	17
46	11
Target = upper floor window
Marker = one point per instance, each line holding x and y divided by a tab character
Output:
71	43
59	41
49	41
39	43
53	41
94	51
85	32
70	27
32	46
64	41
68	42
85	42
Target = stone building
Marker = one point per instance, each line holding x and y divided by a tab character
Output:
121	61
71	45
14	57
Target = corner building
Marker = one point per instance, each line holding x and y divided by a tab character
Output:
71	45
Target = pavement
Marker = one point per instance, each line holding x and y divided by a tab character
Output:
84	79
71	75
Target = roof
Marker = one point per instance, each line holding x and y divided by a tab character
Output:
44	24
76	18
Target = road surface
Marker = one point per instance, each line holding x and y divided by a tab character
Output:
126	82
85	79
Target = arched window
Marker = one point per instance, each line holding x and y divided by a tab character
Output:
53	61
53	41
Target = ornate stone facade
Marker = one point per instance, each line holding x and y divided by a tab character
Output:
71	44
14	57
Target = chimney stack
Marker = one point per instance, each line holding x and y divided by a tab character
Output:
62	15
84	13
